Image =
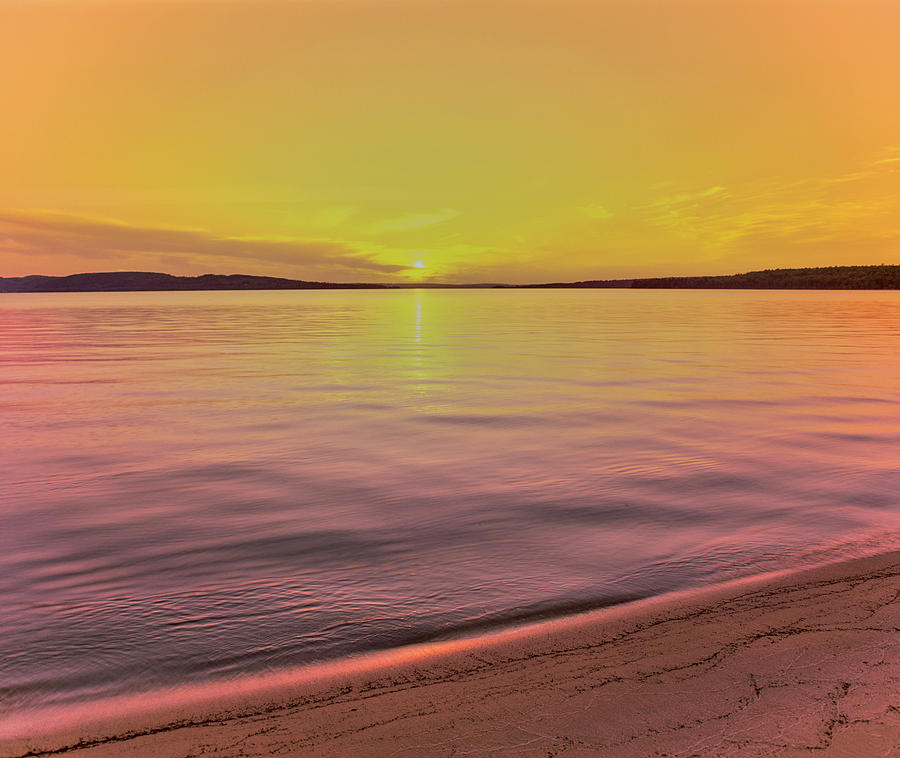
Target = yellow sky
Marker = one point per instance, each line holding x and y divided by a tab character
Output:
491	140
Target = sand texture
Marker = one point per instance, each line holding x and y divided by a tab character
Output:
806	664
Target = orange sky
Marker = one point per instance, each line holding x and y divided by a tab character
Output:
490	141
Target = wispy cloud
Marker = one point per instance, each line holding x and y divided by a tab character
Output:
45	232
413	221
854	209
597	211
328	218
688	198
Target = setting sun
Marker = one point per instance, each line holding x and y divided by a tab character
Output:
525	142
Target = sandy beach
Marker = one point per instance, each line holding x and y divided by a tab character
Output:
790	665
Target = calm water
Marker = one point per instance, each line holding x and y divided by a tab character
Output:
198	485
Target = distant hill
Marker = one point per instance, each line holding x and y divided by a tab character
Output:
137	281
830	278
827	278
588	284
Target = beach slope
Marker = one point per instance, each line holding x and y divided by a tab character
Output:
791	665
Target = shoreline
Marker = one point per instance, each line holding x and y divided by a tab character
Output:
872	277
791	663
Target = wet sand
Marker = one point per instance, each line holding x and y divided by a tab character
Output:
791	665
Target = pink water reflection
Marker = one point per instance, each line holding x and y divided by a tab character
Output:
201	485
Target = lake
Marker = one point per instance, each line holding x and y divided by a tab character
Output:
200	485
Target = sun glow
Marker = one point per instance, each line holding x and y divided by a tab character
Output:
564	141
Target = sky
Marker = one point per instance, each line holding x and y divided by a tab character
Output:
422	140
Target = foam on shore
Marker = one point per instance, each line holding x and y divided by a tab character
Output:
792	663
